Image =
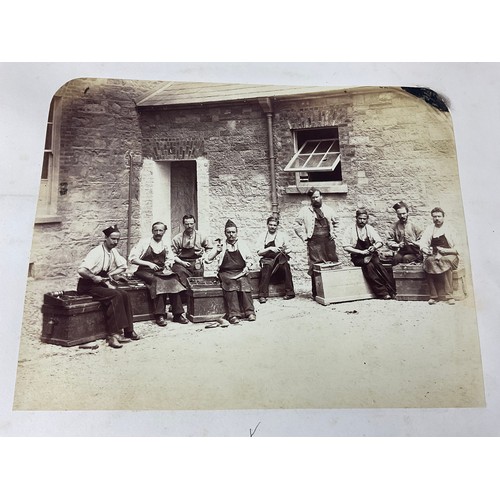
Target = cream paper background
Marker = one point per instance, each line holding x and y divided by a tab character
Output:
474	107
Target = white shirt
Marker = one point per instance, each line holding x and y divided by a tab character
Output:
99	259
140	248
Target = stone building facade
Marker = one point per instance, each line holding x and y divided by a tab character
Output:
132	152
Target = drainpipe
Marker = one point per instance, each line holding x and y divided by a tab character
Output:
267	107
128	155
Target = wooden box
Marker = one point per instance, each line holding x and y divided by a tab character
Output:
70	319
411	283
340	284
142	305
204	300
276	284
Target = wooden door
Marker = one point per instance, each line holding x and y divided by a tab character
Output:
183	193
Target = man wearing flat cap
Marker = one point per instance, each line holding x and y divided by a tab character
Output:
97	272
403	236
234	260
315	225
154	257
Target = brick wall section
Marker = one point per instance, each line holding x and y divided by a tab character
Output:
394	146
99	125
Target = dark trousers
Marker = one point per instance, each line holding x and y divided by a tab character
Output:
313	286
265	278
236	302
440	285
160	303
378	279
116	304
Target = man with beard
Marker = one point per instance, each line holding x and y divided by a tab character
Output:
315	225
274	253
403	237
154	257
441	258
234	260
362	242
97	272
189	248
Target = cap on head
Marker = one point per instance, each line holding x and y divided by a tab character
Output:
230	223
109	230
361	211
400	204
312	191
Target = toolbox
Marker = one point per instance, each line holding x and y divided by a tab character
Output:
205	301
411	282
71	319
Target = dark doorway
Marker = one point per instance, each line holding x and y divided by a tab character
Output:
183	193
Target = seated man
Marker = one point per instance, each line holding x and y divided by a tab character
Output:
275	254
154	257
96	271
440	258
234	260
362	242
403	237
189	248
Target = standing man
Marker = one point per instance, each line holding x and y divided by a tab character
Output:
234	260
403	237
189	248
154	257
274	253
362	242
96	272
440	258
315	225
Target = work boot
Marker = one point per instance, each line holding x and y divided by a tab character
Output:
161	321
122	339
113	341
180	318
131	335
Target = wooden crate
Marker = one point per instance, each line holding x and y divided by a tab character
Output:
205	301
411	283
142	305
70	319
336	284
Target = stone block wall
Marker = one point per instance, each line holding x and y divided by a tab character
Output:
394	146
99	126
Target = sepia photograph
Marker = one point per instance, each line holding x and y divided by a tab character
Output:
233	245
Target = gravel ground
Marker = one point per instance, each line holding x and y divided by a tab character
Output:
298	354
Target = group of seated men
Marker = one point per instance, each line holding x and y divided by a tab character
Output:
165	266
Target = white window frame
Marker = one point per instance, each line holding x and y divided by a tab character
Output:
49	187
313	155
301	187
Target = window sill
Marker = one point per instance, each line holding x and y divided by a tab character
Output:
48	219
325	188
